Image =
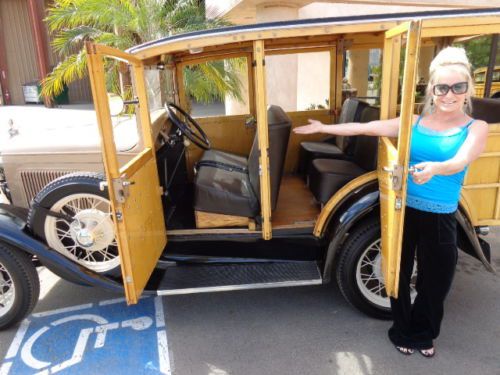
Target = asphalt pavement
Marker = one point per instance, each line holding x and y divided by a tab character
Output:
305	330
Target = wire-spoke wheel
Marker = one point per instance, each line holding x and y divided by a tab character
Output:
359	271
7	290
369	276
19	286
84	232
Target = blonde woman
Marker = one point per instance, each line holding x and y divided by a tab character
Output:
445	140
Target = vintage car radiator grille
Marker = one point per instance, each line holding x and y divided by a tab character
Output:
35	180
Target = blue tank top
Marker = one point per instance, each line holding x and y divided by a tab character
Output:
441	193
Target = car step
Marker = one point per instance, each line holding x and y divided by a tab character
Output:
186	279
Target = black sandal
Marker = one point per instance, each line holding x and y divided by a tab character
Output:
405	351
428	353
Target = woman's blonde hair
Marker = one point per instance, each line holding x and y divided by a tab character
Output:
449	58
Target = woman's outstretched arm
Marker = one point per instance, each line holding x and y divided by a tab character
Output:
385	128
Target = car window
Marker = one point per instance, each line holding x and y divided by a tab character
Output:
479	78
496	76
217	87
298	81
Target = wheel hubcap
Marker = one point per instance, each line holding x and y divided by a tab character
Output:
370	279
7	291
92	229
89	239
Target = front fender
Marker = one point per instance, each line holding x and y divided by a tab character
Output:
13	232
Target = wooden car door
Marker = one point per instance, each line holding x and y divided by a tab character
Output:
393	155
134	188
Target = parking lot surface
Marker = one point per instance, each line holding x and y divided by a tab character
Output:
306	330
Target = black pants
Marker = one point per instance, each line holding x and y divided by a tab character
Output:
434	239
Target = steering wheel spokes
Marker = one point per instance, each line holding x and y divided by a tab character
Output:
188	126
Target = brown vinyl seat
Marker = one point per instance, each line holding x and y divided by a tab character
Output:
229	184
486	109
327	176
332	147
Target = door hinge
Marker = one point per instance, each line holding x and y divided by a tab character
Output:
398	204
119	216
396	173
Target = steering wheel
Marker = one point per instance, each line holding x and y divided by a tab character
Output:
188	127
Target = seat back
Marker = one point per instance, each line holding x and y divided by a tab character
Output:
486	109
351	112
279	133
365	150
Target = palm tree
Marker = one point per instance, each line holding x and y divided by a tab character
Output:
123	24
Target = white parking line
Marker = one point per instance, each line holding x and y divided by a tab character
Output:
62	310
18	339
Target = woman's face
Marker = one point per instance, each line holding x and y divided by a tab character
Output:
454	99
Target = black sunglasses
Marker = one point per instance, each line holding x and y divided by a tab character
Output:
457	88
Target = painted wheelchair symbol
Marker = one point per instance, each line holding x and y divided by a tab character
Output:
101	330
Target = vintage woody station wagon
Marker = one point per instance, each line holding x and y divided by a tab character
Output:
236	201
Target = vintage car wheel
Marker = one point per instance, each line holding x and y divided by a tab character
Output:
85	230
19	286
359	272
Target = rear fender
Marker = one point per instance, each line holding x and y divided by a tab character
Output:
363	202
358	204
469	242
13	231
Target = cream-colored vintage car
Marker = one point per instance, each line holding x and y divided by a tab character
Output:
164	203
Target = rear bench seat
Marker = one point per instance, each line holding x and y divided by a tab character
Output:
327	176
336	147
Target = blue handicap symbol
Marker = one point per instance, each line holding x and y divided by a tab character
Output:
101	338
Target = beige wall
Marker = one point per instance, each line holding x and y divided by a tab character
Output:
281	71
313	79
19	46
21	56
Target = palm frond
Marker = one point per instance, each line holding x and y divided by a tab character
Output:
124	23
72	68
66	40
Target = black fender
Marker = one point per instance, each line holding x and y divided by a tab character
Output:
357	205
363	202
470	243
13	231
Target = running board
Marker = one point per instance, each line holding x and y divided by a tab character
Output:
186	279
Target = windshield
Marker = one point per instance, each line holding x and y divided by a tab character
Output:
159	86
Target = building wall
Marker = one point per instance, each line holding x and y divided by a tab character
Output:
19	46
21	55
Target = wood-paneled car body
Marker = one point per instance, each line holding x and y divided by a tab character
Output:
238	201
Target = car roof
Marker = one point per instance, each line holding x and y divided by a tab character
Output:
484	68
144	50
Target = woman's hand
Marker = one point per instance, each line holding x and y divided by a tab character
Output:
424	172
314	126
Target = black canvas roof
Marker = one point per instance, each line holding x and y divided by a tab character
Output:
331	21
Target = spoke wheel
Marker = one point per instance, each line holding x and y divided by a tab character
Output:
19	286
85	234
7	290
369	276
359	271
89	238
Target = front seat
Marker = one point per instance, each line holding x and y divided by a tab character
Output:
229	184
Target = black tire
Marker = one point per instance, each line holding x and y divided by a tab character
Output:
18	275
362	236
45	226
